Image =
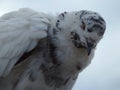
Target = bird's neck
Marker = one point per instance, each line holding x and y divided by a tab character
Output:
70	59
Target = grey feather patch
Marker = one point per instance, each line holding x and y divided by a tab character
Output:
32	76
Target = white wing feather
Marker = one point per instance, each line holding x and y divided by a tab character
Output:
19	33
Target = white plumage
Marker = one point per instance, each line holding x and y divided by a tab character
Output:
43	52
19	33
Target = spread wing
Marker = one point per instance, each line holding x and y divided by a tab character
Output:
20	32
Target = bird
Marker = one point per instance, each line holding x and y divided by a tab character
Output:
39	51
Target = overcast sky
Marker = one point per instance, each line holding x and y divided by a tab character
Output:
104	71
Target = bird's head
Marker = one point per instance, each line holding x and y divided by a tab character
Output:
84	28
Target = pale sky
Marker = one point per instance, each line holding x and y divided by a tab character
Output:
104	71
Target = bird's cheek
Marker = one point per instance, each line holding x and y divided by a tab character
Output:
79	44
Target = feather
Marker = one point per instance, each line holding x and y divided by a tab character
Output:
19	33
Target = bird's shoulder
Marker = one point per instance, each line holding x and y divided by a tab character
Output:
20	32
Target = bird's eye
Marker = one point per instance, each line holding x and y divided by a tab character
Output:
83	25
90	30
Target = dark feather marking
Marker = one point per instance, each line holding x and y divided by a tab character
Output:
99	29
78	67
75	36
83	26
25	56
101	19
57	24
98	26
83	13
54	31
76	13
96	20
65	12
76	40
62	15
53	54
58	20
66	81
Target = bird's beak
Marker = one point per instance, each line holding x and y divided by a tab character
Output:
89	50
90	46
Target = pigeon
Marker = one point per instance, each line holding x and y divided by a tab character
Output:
39	51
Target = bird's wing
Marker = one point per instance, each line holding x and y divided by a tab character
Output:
20	32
